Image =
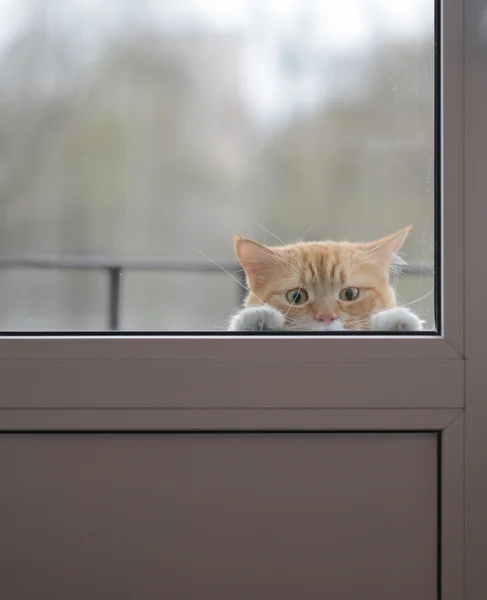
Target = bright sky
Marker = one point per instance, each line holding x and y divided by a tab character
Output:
340	23
330	27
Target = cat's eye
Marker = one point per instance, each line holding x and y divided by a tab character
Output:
297	296
349	294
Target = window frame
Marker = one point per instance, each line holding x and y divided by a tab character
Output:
350	383
167	357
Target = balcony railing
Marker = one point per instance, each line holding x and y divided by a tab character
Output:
114	268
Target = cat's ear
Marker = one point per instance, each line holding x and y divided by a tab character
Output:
384	251
252	256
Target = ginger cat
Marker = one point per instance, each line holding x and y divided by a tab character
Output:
322	286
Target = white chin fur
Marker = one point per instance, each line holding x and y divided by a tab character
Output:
314	325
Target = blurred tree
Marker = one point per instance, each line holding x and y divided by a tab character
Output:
360	165
143	145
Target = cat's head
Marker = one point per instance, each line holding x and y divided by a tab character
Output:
322	286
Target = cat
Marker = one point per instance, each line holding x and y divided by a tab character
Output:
322	286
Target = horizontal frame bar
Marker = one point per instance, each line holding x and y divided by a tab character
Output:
196	384
214	420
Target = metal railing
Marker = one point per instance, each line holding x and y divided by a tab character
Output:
114	267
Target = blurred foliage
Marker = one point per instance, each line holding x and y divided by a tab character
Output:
368	158
145	147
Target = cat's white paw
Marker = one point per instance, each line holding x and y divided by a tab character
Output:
257	318
396	319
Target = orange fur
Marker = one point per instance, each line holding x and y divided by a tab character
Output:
322	270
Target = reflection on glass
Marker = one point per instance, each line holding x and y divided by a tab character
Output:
143	135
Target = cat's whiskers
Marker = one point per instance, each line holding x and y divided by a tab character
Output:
350	264
356	324
293	267
307	231
359	324
294	326
228	273
293	302
291	320
406	304
393	281
295	256
396	265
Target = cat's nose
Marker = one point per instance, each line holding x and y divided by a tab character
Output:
327	318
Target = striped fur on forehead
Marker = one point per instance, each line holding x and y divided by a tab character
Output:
331	263
321	261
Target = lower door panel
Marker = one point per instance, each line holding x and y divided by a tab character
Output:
284	516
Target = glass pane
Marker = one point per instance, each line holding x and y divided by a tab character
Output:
138	137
